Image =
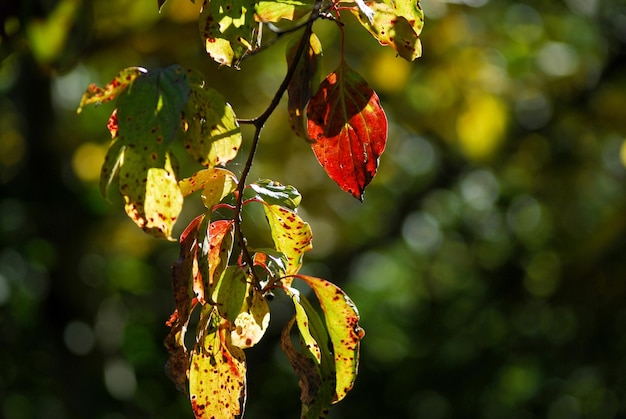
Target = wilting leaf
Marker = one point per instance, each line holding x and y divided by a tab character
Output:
273	11
121	81
214	251
342	322
215	184
348	129
213	134
228	28
252	322
217	375
291	235
274	193
397	23
305	81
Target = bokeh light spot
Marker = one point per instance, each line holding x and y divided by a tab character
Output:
78	338
87	160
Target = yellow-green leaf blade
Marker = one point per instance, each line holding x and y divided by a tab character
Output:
213	133
342	320
121	81
397	23
273	11
252	322
217	375
291	235
215	183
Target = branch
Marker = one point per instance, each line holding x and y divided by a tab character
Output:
258	123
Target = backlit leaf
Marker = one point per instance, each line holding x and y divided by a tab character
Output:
215	251
121	81
342	322
215	183
274	193
217	375
348	129
397	23
213	134
230	292
305	81
111	166
148	116
252	322
273	11
229	29
291	235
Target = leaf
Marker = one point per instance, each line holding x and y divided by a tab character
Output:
273	11
120	82
111	166
217	376
213	134
215	251
290	234
230	292
342	322
252	322
148	116
313	362
274	193
348	129
228	28
397	23
304	82
215	183
151	193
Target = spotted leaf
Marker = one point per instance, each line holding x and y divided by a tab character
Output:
397	23
229	30
347	129
342	322
215	183
252	321
213	134
273	11
120	82
217	373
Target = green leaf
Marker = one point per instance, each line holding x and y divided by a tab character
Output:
290	234
348	129
213	134
120	82
146	121
230	292
273	11
215	183
342	322
217	376
305	81
397	23
274	193
229	30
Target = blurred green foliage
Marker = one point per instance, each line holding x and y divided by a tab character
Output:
488	260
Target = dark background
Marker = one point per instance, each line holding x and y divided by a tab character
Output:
488	260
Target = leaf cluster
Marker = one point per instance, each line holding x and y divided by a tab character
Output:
218	274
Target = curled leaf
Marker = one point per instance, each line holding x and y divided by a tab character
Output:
215	183
342	322
121	81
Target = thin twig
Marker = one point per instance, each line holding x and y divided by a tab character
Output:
258	123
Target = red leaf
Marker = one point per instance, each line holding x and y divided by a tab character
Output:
348	129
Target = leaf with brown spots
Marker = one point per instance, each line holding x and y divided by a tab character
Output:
228	28
213	134
217	373
121	81
347	129
215	183
252	321
342	323
397	23
274	193
291	235
215	244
